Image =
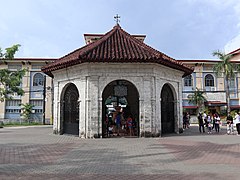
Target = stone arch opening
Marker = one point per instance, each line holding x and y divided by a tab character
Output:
167	110
70	110
120	97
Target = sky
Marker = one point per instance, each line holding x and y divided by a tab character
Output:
182	29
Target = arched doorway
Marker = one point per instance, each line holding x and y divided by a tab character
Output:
167	110
120	97
70	110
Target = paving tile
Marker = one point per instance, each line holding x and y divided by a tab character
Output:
36	153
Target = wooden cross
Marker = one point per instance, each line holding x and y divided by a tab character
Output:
117	18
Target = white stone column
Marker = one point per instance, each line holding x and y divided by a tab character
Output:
153	105
179	105
56	108
87	109
94	106
82	108
158	108
141	117
147	104
100	118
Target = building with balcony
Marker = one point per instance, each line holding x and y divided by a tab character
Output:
206	80
33	86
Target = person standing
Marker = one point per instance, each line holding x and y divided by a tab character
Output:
217	123
185	120
188	120
238	123
209	125
118	122
214	120
229	124
205	118
130	125
201	123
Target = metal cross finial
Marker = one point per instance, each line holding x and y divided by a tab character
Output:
117	18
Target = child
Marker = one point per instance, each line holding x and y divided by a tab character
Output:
209	125
229	124
209	128
130	124
110	130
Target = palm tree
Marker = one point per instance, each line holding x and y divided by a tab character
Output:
226	67
197	98
26	111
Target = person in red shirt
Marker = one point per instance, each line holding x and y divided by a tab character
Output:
130	125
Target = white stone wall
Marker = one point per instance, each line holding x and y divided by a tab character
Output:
92	78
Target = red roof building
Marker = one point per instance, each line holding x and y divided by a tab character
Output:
116	72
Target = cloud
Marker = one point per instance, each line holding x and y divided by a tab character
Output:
181	29
222	5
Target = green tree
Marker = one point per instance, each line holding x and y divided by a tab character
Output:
26	110
9	52
226	68
197	98
10	81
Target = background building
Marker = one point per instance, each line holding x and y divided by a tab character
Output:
206	80
33	85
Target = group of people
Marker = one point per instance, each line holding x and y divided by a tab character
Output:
230	129
117	124
208	121
213	123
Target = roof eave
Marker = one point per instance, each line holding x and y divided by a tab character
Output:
48	70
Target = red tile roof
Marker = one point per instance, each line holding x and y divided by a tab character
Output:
116	46
236	51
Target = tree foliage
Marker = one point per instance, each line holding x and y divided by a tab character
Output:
26	110
10	81
9	52
197	98
224	66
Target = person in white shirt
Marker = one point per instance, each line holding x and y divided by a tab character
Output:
237	120
229	124
205	118
217	123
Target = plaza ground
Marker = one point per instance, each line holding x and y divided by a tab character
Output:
36	153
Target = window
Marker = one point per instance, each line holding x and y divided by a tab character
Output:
36	102
37	67
13	106
14	67
38	110
209	80
38	79
13	102
188	80
13	111
232	83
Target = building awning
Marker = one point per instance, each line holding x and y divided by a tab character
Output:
190	107
216	103
235	107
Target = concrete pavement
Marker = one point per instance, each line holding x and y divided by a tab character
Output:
36	153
